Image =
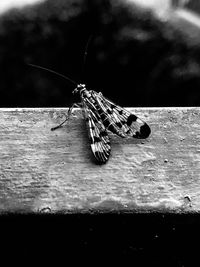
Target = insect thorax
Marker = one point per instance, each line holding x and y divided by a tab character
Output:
80	87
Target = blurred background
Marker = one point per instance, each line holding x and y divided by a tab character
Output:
140	53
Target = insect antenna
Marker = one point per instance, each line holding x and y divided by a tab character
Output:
54	72
85	54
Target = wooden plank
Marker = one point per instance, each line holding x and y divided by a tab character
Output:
41	170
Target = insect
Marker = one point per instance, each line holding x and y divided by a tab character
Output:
102	115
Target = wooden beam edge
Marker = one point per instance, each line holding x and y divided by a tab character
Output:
50	172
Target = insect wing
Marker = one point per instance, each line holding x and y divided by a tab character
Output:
120	121
100	143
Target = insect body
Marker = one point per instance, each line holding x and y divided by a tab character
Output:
101	115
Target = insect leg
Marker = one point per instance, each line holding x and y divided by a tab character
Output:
69	112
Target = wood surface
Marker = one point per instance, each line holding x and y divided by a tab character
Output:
54	171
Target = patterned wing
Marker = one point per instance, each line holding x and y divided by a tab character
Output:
100	143
120	121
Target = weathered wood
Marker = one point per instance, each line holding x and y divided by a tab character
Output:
41	170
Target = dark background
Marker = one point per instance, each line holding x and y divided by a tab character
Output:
134	59
142	239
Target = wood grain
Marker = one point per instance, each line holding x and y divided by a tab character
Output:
45	171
